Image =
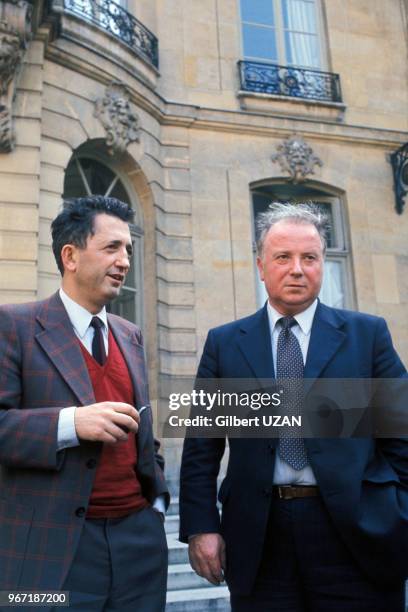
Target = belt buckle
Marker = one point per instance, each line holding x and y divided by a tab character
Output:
285	492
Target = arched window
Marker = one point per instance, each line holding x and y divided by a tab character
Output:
337	287
87	175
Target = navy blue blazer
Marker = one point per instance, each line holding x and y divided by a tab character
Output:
363	481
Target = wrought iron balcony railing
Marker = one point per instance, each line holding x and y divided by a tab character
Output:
289	81
113	18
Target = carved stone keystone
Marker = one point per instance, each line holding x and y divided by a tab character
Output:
120	123
297	158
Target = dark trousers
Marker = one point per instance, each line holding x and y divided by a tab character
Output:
306	567
120	565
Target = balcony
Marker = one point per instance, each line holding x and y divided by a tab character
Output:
289	81
313	92
114	19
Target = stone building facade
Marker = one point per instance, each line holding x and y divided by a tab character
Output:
150	103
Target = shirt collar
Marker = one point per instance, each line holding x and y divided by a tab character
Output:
304	319
79	316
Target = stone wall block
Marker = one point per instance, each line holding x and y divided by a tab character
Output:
18	246
176	157
174	248
177	365
385	279
176	317
21	161
44	235
177	202
31	77
28	104
174	224
52	179
177	178
16	276
55	153
25	190
18	218
173	294
46	260
177	341
28	132
175	271
51	204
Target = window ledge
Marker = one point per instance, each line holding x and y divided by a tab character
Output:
275	104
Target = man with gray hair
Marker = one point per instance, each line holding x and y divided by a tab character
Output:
317	524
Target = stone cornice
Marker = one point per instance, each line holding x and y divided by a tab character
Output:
93	63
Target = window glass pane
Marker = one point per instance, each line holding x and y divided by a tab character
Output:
257	11
73	183
119	192
131	277
332	291
302	50
134	275
259	42
99	176
124	305
326	208
299	15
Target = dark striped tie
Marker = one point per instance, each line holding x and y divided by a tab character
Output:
289	369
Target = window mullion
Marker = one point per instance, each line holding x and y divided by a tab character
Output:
279	31
111	186
83	177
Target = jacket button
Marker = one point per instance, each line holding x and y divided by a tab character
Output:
271	447
267	491
91	464
80	512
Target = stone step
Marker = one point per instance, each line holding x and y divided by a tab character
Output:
214	599
171	524
178	552
182	576
173	507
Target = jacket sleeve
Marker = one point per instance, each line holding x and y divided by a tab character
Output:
200	466
387	365
28	437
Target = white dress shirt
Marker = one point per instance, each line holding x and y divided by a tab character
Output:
283	472
81	322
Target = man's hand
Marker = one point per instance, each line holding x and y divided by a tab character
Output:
207	556
106	421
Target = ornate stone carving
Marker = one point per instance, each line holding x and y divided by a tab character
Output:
15	32
6	132
116	116
296	157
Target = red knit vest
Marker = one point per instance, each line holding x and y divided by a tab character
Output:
116	491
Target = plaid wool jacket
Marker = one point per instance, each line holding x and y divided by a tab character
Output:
44	493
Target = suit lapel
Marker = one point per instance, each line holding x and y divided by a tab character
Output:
58	340
133	354
254	342
325	340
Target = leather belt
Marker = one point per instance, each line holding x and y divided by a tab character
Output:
293	492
